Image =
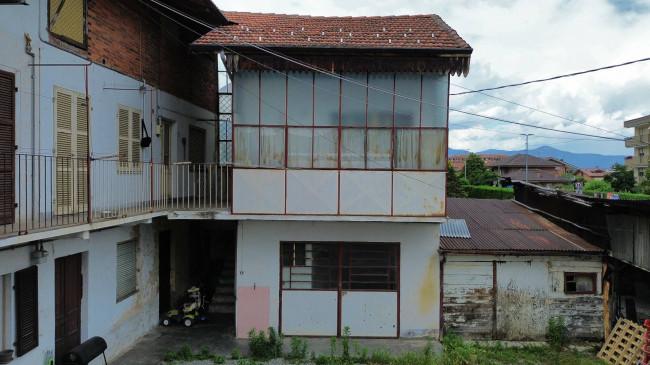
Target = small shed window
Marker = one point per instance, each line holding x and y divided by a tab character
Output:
579	283
126	269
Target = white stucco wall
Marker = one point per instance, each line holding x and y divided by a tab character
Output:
120	324
258	264
529	290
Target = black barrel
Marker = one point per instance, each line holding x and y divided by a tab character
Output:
86	352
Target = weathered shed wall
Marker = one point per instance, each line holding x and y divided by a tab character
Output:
512	298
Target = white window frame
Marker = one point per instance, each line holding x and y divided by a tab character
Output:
126	269
128	139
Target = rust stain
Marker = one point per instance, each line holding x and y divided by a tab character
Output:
428	292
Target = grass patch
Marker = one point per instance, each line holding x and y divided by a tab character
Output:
185	354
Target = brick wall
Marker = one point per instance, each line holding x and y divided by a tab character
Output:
132	39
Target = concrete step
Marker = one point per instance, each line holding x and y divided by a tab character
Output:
224	281
224	289
228	272
223	299
221	308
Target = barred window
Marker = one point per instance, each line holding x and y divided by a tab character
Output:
352	266
126	269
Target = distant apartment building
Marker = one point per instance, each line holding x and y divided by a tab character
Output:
458	161
638	162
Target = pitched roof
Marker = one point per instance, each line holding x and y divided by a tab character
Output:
505	226
520	160
385	32
406	35
594	173
535	175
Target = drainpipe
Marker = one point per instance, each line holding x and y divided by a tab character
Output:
35	197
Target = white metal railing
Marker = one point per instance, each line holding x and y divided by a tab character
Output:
45	192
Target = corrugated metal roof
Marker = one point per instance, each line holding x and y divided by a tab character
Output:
504	225
456	228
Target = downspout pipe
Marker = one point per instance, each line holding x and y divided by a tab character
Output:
35	196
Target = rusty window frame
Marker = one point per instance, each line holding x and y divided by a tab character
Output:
349	266
568	282
340	127
83	45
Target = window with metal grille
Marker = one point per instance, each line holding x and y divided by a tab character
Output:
129	127
26	310
67	21
7	128
579	283
126	269
350	266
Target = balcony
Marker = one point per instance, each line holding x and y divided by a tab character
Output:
44	192
636	161
638	141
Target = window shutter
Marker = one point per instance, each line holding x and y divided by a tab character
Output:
136	127
82	151
27	309
64	151
126	269
123	135
7	127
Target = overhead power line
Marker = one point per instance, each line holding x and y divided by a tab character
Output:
553	78
326	72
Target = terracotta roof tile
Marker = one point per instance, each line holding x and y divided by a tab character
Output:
520	160
382	32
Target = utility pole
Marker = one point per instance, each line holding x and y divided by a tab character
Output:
466	154
527	135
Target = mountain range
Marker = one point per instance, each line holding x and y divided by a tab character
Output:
581	160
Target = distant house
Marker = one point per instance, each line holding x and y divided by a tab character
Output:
458	161
565	166
519	161
640	142
537	177
595	173
506	271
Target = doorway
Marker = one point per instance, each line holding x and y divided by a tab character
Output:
67	293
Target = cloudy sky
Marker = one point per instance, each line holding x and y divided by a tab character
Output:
518	41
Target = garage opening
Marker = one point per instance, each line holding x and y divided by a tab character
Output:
326	286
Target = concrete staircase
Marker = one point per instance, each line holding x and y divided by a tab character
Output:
223	299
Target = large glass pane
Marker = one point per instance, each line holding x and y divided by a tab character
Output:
353	100
246	98
301	99
434	148
379	145
326	104
247	144
380	100
299	154
273	98
272	147
352	148
406	148
407	100
326	146
434	100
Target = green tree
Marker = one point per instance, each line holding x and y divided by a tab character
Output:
477	173
598	186
644	185
620	178
454	185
